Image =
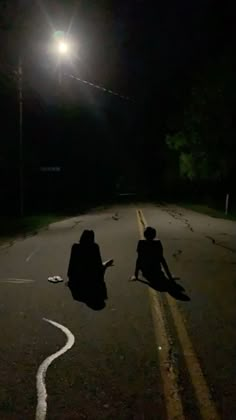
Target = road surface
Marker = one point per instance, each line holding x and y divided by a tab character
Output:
148	354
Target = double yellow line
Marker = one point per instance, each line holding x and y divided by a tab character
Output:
174	404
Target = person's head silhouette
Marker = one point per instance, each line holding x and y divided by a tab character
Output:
87	237
150	233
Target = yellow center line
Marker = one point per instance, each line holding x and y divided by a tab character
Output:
206	405
174	406
205	402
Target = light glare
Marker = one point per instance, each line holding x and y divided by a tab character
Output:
63	47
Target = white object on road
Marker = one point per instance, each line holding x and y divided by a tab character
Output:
55	279
115	216
41	409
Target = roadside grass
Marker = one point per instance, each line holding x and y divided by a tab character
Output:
204	209
14	226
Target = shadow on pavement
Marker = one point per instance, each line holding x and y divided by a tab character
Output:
94	296
165	285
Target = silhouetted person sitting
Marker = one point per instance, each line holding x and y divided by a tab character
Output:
150	258
86	269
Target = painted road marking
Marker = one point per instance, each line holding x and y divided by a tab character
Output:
17	281
32	254
174	405
41	409
206	405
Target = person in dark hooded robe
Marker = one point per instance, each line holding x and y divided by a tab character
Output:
86	269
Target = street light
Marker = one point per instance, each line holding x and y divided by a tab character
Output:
63	47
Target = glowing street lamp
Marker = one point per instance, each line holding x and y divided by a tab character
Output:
61	44
63	50
63	47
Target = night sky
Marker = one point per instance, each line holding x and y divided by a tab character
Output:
134	47
151	52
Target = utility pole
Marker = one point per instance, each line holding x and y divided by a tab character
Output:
60	71
21	154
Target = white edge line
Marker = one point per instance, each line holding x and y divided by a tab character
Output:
41	409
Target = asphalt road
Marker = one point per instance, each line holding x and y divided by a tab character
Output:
147	354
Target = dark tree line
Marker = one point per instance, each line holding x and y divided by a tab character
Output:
203	143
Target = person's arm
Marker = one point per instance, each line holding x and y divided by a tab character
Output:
165	265
136	269
166	268
98	256
137	266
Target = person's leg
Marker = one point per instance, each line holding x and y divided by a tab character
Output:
153	276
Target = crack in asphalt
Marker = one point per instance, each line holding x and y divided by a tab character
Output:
179	216
178	253
220	245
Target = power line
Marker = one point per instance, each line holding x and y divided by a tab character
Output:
109	91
